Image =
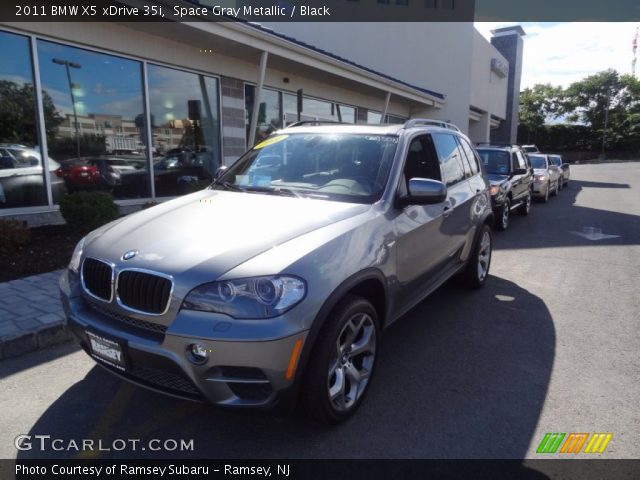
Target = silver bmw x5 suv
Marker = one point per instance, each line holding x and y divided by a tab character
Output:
277	281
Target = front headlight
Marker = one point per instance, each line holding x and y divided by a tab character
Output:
494	189
74	264
248	298
540	178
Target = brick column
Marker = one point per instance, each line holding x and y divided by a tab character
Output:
234	140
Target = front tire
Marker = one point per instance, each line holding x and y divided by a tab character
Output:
477	270
342	361
502	222
525	208
545	199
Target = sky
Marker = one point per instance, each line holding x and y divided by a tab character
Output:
562	53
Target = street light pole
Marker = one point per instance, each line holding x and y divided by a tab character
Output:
67	64
606	121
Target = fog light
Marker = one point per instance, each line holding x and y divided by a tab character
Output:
197	354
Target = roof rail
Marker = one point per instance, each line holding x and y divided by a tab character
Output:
315	122
414	122
498	144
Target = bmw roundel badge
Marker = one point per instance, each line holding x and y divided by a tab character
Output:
129	255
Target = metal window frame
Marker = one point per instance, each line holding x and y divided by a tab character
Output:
33	38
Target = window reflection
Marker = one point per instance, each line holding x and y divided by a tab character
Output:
185	129
314	109
269	112
21	179
96	132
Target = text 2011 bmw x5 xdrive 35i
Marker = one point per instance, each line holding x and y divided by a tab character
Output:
277	280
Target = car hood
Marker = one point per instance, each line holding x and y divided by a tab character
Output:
540	171
209	232
496	178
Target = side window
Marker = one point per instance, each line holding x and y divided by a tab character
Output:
422	161
470	154
522	163
449	156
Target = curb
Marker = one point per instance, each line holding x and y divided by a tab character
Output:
31	315
32	341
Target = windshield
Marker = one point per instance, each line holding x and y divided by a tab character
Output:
538	161
341	167
495	161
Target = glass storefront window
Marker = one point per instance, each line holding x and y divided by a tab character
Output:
269	112
374	118
96	128
314	109
21	168
185	124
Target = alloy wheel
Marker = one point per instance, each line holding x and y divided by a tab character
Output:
506	208
352	362
484	256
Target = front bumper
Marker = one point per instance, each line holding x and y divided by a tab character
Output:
252	372
540	188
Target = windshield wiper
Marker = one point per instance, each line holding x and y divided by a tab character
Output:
231	186
275	190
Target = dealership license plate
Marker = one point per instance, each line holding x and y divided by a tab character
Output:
107	351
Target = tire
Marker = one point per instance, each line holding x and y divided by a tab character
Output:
477	270
502	220
525	208
560	184
335	381
545	199
555	190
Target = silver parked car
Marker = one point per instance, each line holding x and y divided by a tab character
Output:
278	280
565	169
546	179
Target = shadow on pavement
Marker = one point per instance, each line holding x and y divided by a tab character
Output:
464	375
11	366
562	223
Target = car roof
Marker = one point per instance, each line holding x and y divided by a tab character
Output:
363	129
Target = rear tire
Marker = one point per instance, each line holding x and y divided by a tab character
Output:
342	361
477	270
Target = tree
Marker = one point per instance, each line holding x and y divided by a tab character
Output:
606	96
583	106
18	117
537	106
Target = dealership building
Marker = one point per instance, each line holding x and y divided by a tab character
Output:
84	101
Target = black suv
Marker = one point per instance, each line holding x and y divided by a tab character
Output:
511	176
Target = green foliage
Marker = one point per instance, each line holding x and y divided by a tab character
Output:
86	211
13	234
17	113
66	147
538	104
603	98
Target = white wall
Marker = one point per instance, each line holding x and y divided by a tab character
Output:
488	90
435	56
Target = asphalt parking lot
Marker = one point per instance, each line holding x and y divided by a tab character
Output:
549	345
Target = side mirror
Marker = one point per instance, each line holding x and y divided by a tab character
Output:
424	191
520	171
221	169
566	165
